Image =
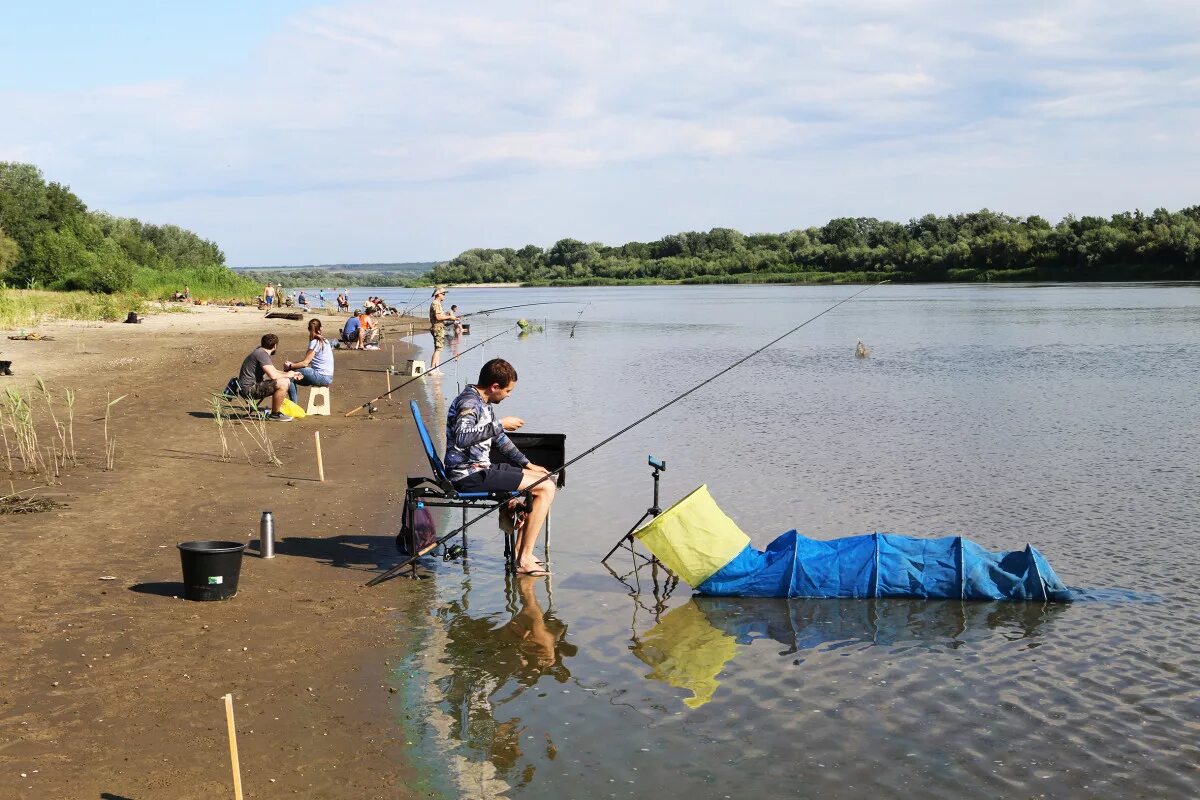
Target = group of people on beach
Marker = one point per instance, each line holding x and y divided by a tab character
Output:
474	431
259	378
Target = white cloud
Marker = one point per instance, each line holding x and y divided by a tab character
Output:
380	105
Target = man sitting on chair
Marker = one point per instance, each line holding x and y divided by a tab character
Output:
471	429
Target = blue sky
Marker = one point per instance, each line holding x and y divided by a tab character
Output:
294	132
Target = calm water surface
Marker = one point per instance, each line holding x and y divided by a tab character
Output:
1064	416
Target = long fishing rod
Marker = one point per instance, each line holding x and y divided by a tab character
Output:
409	300
522	305
372	401
577	317
396	570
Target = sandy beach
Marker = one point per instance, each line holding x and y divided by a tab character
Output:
112	684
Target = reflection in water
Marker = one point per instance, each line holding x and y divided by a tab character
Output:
492	661
690	645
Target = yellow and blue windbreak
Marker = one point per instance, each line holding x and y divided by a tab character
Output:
707	550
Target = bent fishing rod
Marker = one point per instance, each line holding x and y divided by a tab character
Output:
372	401
396	570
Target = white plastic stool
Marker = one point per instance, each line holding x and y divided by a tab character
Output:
415	368
315	393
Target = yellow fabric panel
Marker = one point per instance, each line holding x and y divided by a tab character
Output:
694	538
686	651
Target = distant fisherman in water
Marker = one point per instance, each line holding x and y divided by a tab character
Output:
471	429
437	317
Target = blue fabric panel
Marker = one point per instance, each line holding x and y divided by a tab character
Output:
886	565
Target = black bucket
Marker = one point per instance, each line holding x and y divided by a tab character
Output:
210	569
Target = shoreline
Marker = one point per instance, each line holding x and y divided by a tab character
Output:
115	684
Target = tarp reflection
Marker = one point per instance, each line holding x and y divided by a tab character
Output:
690	645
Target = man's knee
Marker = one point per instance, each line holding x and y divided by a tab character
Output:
282	383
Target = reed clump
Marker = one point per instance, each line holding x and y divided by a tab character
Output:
28	307
229	414
26	451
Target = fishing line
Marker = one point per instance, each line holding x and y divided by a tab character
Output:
394	571
370	402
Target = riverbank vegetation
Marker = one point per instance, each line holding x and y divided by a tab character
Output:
976	247
21	308
49	239
329	279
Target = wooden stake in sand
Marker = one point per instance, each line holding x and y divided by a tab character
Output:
389	385
320	462
233	754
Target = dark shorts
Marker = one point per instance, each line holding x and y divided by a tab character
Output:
496	478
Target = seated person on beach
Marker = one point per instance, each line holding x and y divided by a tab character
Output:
258	378
301	300
471	429
368	331
350	331
360	332
316	368
343	303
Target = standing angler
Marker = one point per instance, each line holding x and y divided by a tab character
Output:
437	316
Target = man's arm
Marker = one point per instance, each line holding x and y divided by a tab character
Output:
275	374
509	451
468	430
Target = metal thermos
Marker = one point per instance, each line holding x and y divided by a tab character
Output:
266	536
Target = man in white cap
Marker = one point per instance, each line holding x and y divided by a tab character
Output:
437	318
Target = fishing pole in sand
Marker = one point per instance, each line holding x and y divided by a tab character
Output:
396	570
374	400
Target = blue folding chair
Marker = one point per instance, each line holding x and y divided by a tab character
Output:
439	492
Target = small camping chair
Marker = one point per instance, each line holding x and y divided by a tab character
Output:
438	492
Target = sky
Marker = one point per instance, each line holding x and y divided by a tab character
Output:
295	132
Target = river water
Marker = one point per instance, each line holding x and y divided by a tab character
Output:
1062	416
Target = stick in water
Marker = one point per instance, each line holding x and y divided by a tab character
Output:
233	754
320	462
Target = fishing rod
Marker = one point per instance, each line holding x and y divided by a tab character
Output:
370	402
409	300
396	570
577	316
522	305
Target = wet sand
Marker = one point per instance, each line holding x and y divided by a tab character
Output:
112	687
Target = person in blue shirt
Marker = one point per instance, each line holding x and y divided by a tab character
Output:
472	428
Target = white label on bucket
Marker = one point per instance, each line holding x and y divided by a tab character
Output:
215	579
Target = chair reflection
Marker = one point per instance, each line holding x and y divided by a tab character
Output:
690	645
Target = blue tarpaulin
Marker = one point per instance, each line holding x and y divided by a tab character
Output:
886	565
705	548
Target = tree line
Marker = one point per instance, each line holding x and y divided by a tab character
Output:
49	239
977	246
319	277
